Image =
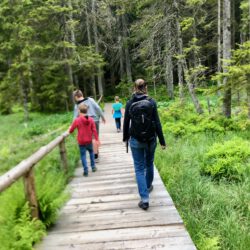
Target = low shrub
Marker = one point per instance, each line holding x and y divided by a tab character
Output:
228	160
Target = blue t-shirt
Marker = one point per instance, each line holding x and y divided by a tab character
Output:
117	110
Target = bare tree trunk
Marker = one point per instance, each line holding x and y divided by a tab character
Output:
25	98
99	73
219	41
153	65
180	55
248	94
32	92
226	56
126	49
121	57
191	88
93	85
169	65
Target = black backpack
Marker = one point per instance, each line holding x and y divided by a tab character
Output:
142	126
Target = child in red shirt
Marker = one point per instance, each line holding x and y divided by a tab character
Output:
86	130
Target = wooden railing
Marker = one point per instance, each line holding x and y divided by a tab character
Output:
25	169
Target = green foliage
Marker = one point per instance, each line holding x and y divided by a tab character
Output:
17	230
38	56
209	243
216	214
181	120
50	195
229	160
124	88
26	231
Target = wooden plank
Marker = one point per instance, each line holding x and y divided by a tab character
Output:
172	243
114	235
149	219
88	192
107	206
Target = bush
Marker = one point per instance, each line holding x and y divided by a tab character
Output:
26	231
229	160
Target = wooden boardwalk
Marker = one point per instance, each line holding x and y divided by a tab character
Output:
102	212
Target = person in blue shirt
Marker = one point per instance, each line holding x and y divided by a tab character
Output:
117	113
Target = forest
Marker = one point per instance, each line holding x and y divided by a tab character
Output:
194	56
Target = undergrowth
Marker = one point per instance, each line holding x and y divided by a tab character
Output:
206	170
17	230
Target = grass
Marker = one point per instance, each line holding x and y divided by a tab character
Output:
18	141
216	214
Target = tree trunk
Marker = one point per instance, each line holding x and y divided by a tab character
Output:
126	49
92	80
226	56
25	98
180	54
248	95
191	88
219	41
169	65
153	66
121	57
99	73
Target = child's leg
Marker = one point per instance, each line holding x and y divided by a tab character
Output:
91	155
83	158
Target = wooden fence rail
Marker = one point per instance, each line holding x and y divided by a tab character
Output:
25	169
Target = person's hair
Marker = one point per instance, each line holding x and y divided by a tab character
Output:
116	98
78	93
83	108
140	86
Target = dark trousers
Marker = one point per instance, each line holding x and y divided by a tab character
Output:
118	123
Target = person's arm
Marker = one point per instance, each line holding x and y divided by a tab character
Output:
158	126
98	110
126	123
73	126
93	128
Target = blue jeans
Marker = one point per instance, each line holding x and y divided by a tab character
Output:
143	156
83	149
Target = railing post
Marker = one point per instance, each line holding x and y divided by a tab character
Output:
30	193
63	154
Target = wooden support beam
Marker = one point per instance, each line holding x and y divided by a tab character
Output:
63	154
30	193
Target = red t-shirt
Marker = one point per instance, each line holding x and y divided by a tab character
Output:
86	129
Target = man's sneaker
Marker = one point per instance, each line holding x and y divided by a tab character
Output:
97	160
143	205
150	189
85	174
94	169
